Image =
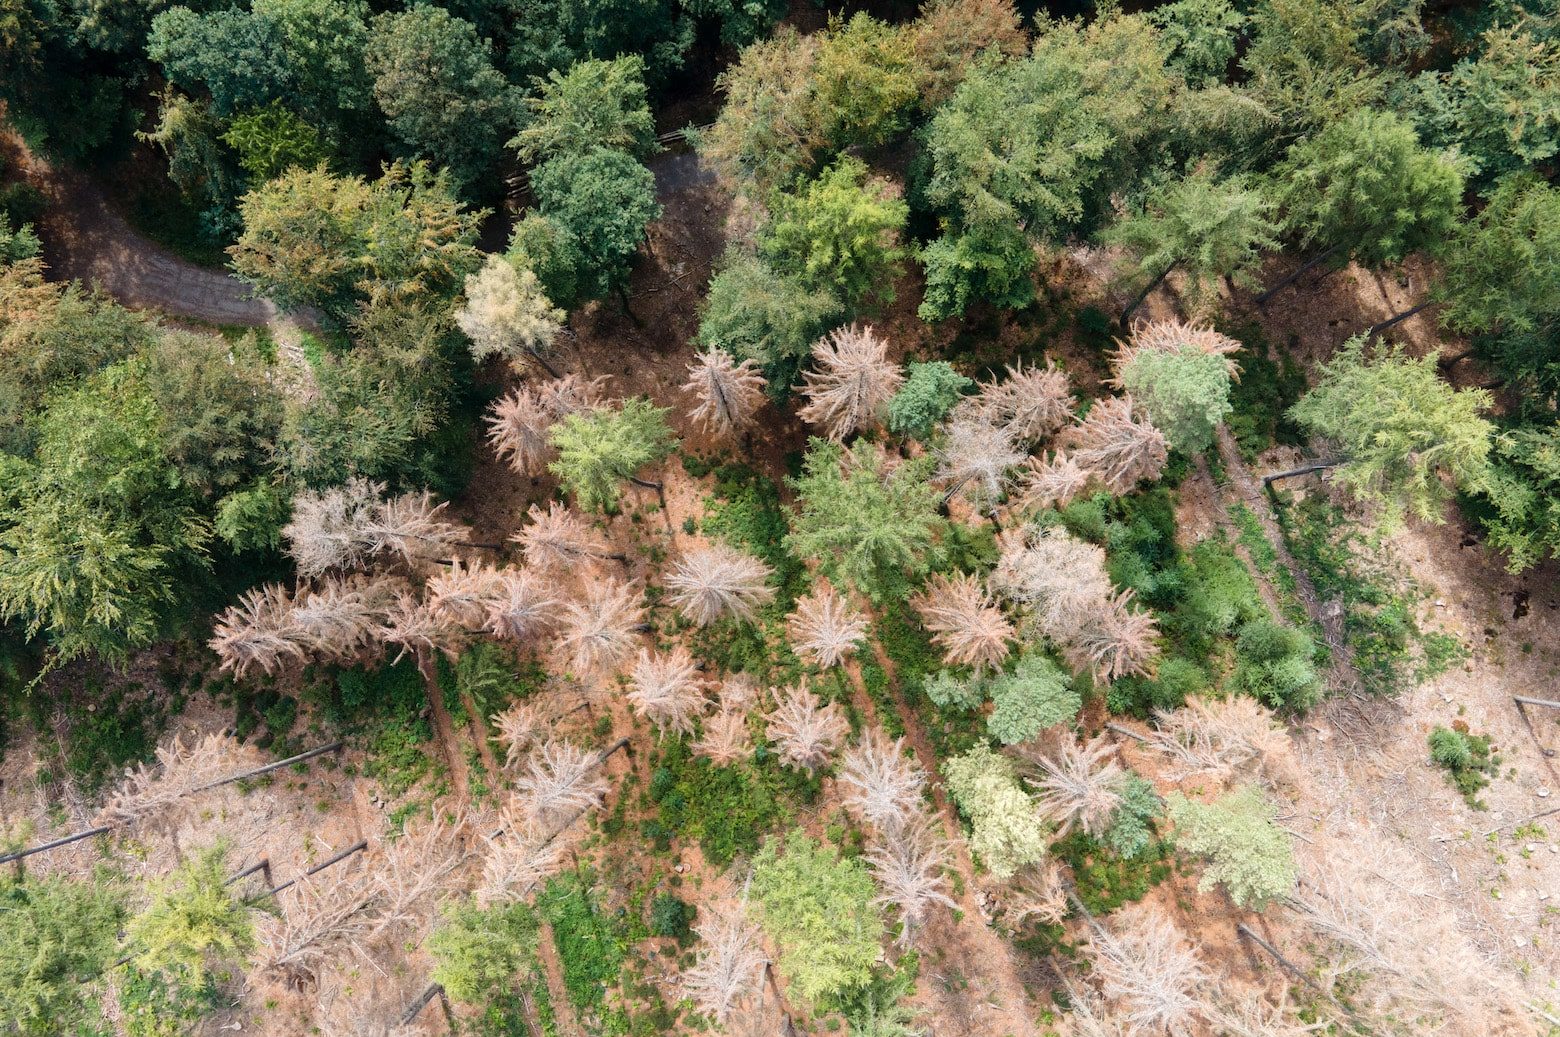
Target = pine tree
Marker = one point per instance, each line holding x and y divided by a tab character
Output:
1115	641
666	689
507	314
57	937
729	393
853	381
730	962
1006	830
964	621
559	781
1399	428
193	926
1146	966
558	540
523	605
1080	785
598	450
973	461
908	864
1059	578
718	582
824	629
1113	444
1246	852
805	732
1052	482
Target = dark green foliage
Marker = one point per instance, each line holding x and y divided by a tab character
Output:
1519	506
601	201
1131	832
1201	37
1469	761
588	948
122	730
758	314
1274	665
238	57
1175	680
670	917
1105	880
1036	695
929	392
56	937
1261	400
384	707
442	98
727	810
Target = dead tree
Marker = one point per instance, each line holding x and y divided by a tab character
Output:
851	382
881	784
823	628
1149	970
719	582
974	458
1030	404
258	632
463	591
666	689
1116	640
1052	483
965	622
523	606
1115	445
558	540
730	963
1059	578
560	779
1079	785
598	633
728	393
908	862
805	732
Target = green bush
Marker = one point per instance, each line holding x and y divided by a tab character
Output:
1273	665
671	917
480	953
1468	759
1105	879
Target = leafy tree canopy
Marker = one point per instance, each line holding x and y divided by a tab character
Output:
838	232
238	57
601	201
479	951
1185	392
1038	694
594	104
1006	830
56	938
756	313
929	393
599	450
1245	850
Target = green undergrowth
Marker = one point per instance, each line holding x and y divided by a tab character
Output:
1269	385
1391	651
382	709
745	510
952	732
727	810
1105	880
121	727
1469	760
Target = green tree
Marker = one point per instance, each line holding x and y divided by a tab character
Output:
1499	107
273	139
1205	227
864	80
1364	188
601	202
772	122
1007	832
1306	63
17	243
325	43
929	393
236	56
190	134
1398	429
991	264
480	952
595	104
315	239
820	911
1502	278
1519	506
1273	664
756	313
56	938
1184	391
95	537
741	21
1201	36
839	232
1246	852
872	528
1038	694
597	451
194	924
443	100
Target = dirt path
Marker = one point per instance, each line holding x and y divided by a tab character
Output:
989	955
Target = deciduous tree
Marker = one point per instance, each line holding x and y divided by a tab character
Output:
949	35
1006	830
839	233
864	80
506	314
600	201
1245	850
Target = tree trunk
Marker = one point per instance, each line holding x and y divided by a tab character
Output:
1456	358
1285	282
415	1008
536	355
627	310
1306	469
357	847
1376	329
1126	314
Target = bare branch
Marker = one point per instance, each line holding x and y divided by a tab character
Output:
881	784
851	383
524	606
908	865
560	779
1030	404
599	632
666	689
258	630
729	393
968	626
1147	968
805	732
717	582
973	461
558	539
730	963
1113	444
824	629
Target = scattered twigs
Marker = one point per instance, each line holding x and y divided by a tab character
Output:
1545	753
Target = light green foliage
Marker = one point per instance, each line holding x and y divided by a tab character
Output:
1038	694
1186	393
314	239
443	100
1520	500
755	313
1467	759
251	519
193	926
1503	272
601	202
1200	35
94	535
1206	227
839	233
1450	748
864	80
479	952
598	450
1501	107
272	139
1130	834
1399	428
819	910
325	41
1245	850
771	124
1006	830
1273	664
16	243
1305	62
56	938
595	104
929	393
237	56
949	690
872	530
1365	186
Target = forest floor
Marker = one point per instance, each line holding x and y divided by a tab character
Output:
1363	759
